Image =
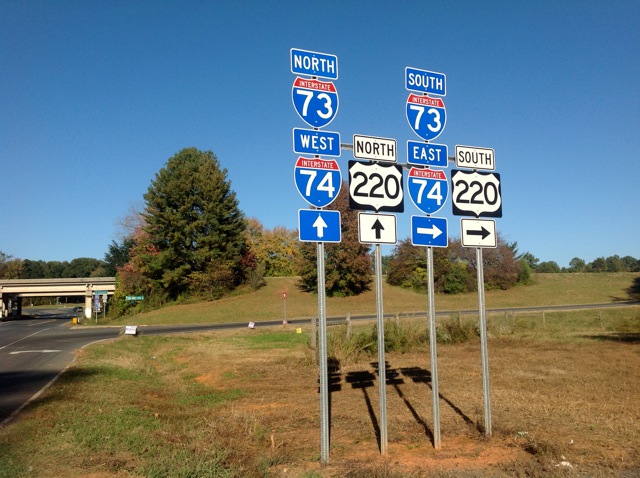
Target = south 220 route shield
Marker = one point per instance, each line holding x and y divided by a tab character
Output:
316	102
426	116
428	189
318	180
476	194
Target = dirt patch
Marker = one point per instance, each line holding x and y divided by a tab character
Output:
574	403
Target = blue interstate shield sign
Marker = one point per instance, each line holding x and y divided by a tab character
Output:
426	116
428	189
318	180
315	101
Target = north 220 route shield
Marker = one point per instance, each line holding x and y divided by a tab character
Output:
375	187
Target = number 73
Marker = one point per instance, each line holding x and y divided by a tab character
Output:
437	122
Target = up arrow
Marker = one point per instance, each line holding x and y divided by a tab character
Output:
378	227
482	232
320	226
432	231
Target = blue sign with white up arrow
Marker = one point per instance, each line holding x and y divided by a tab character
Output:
316	225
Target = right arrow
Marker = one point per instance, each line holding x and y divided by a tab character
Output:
432	231
320	226
482	232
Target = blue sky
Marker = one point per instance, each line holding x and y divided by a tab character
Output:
96	96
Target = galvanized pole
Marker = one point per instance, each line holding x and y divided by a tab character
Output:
284	307
433	352
483	344
324	381
382	369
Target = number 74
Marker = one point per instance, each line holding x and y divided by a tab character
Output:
326	183
434	193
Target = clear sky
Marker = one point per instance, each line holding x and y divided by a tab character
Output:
96	96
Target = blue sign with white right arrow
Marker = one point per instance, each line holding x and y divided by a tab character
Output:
317	225
429	231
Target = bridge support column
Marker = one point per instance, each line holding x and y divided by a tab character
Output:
87	304
19	306
4	306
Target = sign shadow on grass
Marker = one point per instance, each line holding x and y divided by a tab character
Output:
421	375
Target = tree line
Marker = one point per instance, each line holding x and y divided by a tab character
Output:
191	240
13	268
601	264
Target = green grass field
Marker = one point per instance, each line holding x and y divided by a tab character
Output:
266	304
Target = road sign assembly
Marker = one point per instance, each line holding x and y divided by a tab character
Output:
375	149
313	63
315	101
427	154
429	231
475	193
478	233
375	187
428	189
311	141
317	225
377	228
318	180
475	158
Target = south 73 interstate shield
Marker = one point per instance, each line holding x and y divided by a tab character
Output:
318	180
426	116
315	101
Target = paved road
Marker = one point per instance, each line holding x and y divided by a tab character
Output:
34	351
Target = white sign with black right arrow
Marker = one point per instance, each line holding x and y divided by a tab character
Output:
478	233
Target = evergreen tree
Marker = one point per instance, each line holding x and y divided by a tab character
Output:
194	232
117	255
348	264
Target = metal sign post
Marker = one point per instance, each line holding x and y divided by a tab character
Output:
483	344
284	305
382	366
433	352
324	382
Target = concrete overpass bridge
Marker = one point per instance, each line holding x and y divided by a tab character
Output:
12	291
